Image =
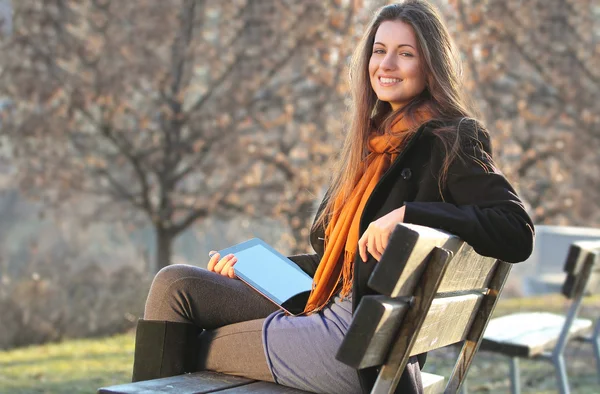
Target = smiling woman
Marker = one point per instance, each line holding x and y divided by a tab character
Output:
413	153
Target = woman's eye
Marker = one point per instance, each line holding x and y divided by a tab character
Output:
378	51
406	54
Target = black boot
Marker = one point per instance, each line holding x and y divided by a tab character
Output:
164	349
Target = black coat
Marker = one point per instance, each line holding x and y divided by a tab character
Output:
476	203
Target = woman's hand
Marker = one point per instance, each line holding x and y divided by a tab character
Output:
376	237
223	266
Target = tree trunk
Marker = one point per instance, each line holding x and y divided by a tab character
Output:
164	248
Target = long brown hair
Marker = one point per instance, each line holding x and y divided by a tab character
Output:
443	95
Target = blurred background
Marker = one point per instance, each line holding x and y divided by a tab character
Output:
134	134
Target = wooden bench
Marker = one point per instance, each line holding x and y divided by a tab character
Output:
434	291
541	335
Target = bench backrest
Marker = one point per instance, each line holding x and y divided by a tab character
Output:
435	290
583	273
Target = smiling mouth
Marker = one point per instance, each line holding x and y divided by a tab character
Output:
388	81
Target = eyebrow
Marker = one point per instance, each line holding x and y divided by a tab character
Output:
399	46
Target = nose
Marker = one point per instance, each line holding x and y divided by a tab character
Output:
389	61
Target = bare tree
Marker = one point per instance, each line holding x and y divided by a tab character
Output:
177	110
532	66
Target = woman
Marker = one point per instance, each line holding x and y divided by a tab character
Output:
413	154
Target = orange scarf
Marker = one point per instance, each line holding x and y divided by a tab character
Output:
342	232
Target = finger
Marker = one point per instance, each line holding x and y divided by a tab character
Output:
373	248
231	273
368	245
379	246
221	264
227	268
380	243
213	260
362	248
385	240
376	255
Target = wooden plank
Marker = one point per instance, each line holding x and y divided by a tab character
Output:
576	283
594	247
572	283
447	322
262	388
374	325
432	384
575	259
467	270
402	263
593	286
578	253
194	383
528	334
475	334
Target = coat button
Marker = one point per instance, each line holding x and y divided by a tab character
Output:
406	174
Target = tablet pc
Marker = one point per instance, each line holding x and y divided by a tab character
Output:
272	274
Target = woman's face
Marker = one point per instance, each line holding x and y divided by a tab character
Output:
395	66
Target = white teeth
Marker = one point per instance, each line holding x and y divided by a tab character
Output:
389	80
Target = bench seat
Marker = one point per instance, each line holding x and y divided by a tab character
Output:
212	382
432	384
528	334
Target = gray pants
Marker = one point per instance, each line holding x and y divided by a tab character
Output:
230	313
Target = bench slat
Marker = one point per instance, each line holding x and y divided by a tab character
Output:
473	338
593	286
467	270
447	322
579	266
402	262
194	383
573	284
583	274
577	254
582	270
377	319
374	324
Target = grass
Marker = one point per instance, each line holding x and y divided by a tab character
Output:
77	366
82	366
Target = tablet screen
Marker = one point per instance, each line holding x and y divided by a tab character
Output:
268	272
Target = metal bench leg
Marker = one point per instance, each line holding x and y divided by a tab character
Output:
561	373
596	345
515	385
557	357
